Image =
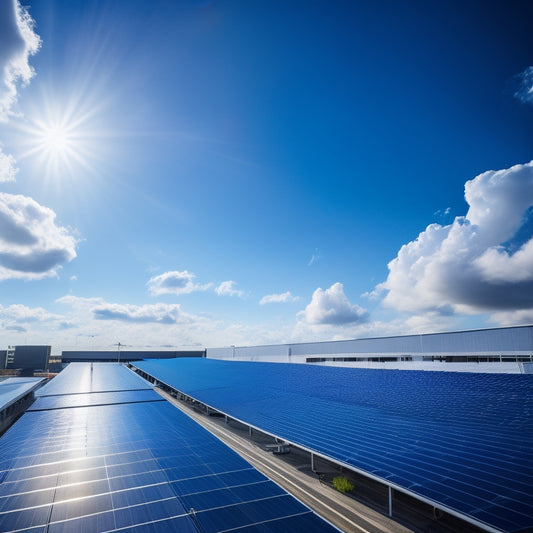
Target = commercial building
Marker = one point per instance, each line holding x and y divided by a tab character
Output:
510	348
117	356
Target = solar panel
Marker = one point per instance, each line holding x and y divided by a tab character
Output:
460	440
93	377
12	389
75	464
96	398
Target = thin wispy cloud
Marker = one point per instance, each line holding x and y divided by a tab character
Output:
314	258
140	314
101	310
481	262
443	213
524	92
285	297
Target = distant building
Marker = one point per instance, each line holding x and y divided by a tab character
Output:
122	356
34	358
498	350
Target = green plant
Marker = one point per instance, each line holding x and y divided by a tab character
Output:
342	484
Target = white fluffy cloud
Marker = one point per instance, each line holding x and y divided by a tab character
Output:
285	297
19	313
227	288
18	318
7	167
331	306
18	42
481	262
175	282
524	93
32	245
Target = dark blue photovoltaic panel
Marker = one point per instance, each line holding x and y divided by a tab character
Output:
461	440
138	466
95	398
93	377
95	522
181	524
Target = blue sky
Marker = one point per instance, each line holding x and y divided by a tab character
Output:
207	173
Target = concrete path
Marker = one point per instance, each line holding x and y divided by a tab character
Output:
345	513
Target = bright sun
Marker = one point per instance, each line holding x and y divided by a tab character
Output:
61	140
60	143
56	140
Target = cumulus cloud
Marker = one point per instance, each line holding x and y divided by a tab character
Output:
524	92
32	245
513	318
158	313
331	306
286	297
479	263
18	42
8	170
22	314
175	282
19	318
227	288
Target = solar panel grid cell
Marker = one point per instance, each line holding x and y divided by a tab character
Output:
92	377
95	522
301	522
95	398
460	439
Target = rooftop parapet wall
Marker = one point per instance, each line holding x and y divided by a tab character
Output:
512	341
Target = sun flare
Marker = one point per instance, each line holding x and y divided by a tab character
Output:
61	137
56	140
58	143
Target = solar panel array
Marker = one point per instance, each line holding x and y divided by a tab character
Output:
11	389
124	459
460	440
